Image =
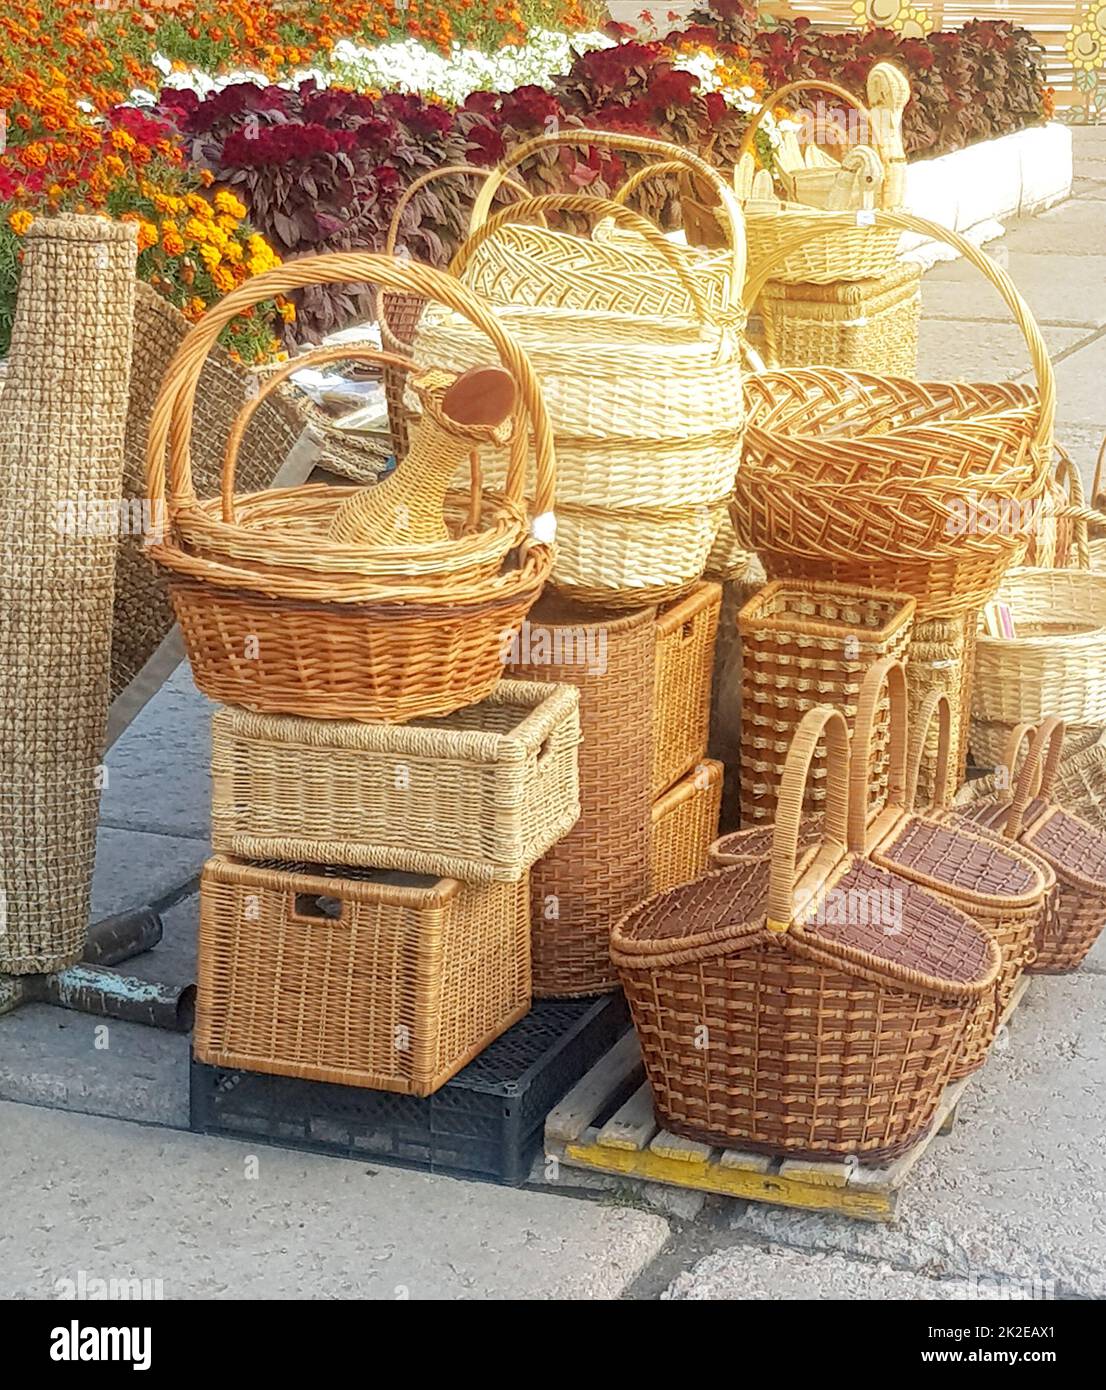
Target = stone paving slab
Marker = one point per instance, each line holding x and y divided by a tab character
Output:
954	349
134	869
214	1219
1017	1189
1061	288
772	1272
1080	382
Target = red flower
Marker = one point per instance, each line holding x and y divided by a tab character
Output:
485	145
529	107
672	88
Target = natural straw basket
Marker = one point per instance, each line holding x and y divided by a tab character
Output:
478	795
765	1023
807	644
686	632
794	229
685	824
390	981
61	466
1075	850
601	867
278	617
1080	785
940	659
873	480
999	888
1056	664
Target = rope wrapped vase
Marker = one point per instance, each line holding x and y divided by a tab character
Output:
772	1015
284	608
61	473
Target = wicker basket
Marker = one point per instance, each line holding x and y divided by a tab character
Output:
939	659
1057	662
858	325
807	644
878	480
685	824
999	888
478	795
390	981
1074	849
740	985
686	632
601	867
1080	784
279	616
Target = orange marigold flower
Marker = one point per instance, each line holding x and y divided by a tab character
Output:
20	221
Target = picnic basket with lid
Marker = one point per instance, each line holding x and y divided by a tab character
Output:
278	615
873	480
1075	850
770	1020
786	235
998	886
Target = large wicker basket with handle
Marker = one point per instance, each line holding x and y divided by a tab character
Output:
278	615
740	983
883	481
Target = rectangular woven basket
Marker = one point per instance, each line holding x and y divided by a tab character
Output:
685	824
478	795
805	643
863	325
686	632
384	980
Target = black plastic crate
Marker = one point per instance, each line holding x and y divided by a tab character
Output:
487	1122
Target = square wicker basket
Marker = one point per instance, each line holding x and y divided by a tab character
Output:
686	633
478	795
685	825
390	981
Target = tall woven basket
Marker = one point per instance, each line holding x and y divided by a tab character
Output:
601	867
61	473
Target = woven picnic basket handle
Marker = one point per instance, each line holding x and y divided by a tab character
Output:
1082	517
389	338
1037	777
647	171
171	420
936	705
887	675
1099	466
909	222
820	722
734	219
776	98
586	202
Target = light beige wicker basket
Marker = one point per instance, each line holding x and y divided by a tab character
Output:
477	795
686	632
384	980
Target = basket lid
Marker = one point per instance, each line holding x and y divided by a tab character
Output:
1076	850
954	857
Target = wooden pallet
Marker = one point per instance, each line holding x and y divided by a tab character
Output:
583	1131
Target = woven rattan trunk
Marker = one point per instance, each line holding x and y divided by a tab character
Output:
383	980
685	824
601	868
478	795
686	633
61	469
861	325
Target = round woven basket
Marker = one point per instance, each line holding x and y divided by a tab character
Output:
277	615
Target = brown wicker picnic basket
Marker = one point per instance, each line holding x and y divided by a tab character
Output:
278	614
738	985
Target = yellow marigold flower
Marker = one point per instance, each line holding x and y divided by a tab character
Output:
196	229
258	265
20	221
233	253
228	205
207	178
122	140
172	244
197	305
200	206
223	279
210	255
288	312
147	236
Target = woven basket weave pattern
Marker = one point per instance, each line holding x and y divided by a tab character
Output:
685	823
411	981
686	633
61	455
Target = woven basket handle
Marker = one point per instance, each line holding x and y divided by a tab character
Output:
690	163
1069	478
935	706
648	171
1097	499
780	95
1037	777
171	420
909	222
887	675
786	896
586	202
388	337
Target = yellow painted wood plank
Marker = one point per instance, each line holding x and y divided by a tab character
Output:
732	1182
821	1174
679	1150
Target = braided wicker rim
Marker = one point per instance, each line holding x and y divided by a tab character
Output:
171	424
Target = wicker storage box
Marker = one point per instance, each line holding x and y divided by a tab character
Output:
806	644
768	1023
939	659
686	632
391	981
478	795
685	823
866	325
601	867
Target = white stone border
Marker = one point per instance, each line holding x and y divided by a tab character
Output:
973	190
